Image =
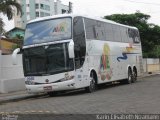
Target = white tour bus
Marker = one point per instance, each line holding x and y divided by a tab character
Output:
67	52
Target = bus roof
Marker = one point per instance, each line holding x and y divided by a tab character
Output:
74	15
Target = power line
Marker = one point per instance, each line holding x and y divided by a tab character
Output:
142	2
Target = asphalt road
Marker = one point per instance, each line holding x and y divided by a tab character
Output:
142	97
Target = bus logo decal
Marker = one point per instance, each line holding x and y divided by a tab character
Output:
60	28
105	70
128	50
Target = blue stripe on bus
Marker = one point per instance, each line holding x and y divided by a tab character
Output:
124	56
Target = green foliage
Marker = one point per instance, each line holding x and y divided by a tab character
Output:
150	33
18	36
14	47
1	26
7	8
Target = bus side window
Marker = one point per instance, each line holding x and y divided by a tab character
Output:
134	35
90	26
79	41
100	31
124	35
117	33
108	32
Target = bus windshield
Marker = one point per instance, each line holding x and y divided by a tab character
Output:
48	31
49	59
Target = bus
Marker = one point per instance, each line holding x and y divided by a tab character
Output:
68	52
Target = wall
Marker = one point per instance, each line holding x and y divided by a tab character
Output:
11	76
7	46
10	71
151	64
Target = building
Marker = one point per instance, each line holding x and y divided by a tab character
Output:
8	45
38	8
16	33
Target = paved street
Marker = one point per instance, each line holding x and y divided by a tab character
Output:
140	97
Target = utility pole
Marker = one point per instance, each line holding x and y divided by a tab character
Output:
70	7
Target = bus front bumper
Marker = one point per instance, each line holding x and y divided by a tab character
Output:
60	86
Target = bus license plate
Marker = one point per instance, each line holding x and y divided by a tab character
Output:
47	88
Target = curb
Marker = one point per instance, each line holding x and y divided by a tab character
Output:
147	75
18	98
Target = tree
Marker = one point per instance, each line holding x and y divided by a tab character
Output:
150	33
7	8
18	36
1	27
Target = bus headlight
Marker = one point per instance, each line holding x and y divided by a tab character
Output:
29	82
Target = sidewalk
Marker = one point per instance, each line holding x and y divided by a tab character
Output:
21	95
150	74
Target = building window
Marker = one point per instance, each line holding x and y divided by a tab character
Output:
63	11
42	14
47	14
42	6
37	14
37	6
47	7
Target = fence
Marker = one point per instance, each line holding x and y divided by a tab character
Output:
151	64
12	78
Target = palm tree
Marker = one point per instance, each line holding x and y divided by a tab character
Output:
7	8
1	27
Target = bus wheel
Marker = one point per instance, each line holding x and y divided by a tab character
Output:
134	75
130	77
92	87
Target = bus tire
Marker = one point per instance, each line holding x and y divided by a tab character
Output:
92	87
130	76
134	75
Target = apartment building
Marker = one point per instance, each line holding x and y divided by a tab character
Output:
38	8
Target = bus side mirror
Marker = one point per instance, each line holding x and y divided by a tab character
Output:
71	49
14	56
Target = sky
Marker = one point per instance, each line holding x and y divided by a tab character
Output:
101	8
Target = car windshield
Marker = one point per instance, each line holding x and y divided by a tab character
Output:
49	59
48	31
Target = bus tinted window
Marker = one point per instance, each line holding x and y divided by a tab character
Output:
108	32
79	41
116	32
95	29
100	31
90	28
134	35
124	33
